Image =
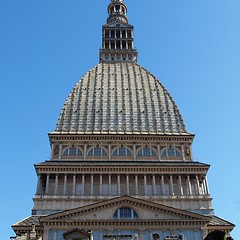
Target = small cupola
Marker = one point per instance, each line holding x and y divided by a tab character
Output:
117	11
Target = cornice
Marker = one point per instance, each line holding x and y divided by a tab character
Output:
116	138
121	201
109	168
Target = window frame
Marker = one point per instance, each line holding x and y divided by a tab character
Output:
140	152
102	150
123	214
166	152
78	152
118	150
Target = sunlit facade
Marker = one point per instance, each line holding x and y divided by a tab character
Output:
121	164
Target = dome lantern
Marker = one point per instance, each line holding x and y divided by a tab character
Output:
117	36
117	10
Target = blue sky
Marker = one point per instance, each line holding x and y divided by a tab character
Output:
192	46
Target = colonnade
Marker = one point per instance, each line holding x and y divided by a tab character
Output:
117	39
119	33
121	184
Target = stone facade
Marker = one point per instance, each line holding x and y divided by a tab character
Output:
121	164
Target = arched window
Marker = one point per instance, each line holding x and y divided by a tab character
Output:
122	152
146	152
117	8
97	152
72	151
125	213
171	152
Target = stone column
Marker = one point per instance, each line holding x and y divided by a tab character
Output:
171	185
195	234
203	192
190	148
159	152
101	185
91	190
39	185
136	184
183	152
204	187
52	151
154	185
83	185
206	183
47	185
74	185
110	185
164	232
60	152
109	152
45	234
134	152
163	185
145	184
180	185
56	185
127	183
101	234
85	152
198	187
151	234
119	184
65	185
189	185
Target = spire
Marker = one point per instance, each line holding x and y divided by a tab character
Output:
117	35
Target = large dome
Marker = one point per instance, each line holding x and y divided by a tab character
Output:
120	98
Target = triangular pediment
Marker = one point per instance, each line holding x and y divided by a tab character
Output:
105	210
117	24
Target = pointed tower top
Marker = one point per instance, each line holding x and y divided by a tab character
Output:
117	11
117	35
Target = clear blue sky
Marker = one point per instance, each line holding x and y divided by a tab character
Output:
192	46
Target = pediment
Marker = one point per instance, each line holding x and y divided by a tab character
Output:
117	24
104	210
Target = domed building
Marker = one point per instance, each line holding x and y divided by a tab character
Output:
121	164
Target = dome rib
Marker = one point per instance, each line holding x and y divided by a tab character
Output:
129	113
120	98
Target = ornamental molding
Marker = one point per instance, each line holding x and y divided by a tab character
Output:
57	167
77	215
80	137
